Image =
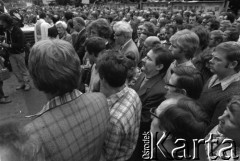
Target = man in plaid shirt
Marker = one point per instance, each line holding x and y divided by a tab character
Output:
72	126
124	105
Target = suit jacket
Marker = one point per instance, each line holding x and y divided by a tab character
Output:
74	37
130	49
79	45
74	129
152	93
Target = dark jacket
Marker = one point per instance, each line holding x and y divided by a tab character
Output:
152	93
16	39
79	45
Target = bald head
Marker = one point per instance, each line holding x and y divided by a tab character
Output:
151	42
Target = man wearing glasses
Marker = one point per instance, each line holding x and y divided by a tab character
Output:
123	39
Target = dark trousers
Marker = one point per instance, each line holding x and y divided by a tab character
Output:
1	89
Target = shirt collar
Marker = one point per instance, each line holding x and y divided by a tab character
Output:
115	97
57	101
224	82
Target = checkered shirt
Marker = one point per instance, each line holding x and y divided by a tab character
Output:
72	127
125	114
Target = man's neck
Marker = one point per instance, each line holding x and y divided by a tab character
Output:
10	28
50	96
81	29
181	60
126	41
222	76
110	91
150	75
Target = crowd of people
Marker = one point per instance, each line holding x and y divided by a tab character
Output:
111	75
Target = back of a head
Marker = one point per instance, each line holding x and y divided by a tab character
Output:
79	20
185	119
170	26
215	24
154	21
42	15
179	20
218	35
68	15
232	51
232	34
113	68
150	27
203	36
55	18
230	17
190	80
54	67
94	14
70	23
187	41
95	45
102	27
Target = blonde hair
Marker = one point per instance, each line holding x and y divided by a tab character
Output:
187	41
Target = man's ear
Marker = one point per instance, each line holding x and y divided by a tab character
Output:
184	92
159	67
218	41
233	64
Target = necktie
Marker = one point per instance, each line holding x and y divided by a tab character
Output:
144	82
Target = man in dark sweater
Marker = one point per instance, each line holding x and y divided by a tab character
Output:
225	64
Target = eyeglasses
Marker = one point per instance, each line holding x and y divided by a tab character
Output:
152	112
117	34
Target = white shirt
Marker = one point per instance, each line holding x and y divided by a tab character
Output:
44	30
